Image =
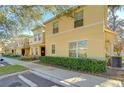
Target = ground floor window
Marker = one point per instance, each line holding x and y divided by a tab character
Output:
78	48
53	49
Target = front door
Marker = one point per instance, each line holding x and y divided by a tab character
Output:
23	52
42	51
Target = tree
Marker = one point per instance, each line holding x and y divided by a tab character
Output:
7	27
27	17
118	47
115	23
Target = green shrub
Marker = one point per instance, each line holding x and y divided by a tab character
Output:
28	58
80	64
11	55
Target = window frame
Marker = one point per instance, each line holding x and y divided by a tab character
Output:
55	29
80	22
54	49
77	47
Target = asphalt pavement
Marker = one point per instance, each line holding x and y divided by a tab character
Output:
26	79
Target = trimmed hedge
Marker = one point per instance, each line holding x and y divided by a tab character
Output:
11	56
80	64
29	58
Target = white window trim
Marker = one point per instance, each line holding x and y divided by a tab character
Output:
51	49
77	45
53	26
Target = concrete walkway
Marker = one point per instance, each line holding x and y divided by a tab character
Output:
69	78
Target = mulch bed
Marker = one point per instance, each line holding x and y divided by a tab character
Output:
113	73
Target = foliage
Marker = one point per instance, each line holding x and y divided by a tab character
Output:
11	55
28	58
118	47
115	23
27	16
80	64
7	27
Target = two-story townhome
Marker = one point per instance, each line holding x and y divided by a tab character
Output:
10	47
23	47
80	32
37	42
19	45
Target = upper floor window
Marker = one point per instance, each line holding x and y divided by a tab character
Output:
78	19
55	27
37	37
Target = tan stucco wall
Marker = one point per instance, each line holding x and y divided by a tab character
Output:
34	47
109	38
37	44
93	31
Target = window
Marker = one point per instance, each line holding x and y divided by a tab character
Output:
35	37
82	48
72	49
55	27
78	49
39	37
78	19
53	49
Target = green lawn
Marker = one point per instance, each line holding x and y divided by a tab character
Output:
11	69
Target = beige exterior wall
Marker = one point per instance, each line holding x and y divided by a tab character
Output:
109	37
2	48
18	43
35	45
92	30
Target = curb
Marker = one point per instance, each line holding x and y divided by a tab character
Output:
53	79
8	75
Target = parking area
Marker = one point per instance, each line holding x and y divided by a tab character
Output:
12	81
26	79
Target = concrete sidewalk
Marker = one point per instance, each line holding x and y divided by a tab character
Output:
70	78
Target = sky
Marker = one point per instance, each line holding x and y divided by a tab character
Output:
121	14
49	15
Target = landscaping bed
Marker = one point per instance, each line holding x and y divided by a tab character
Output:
28	58
78	64
113	73
12	56
23	58
110	72
11	69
